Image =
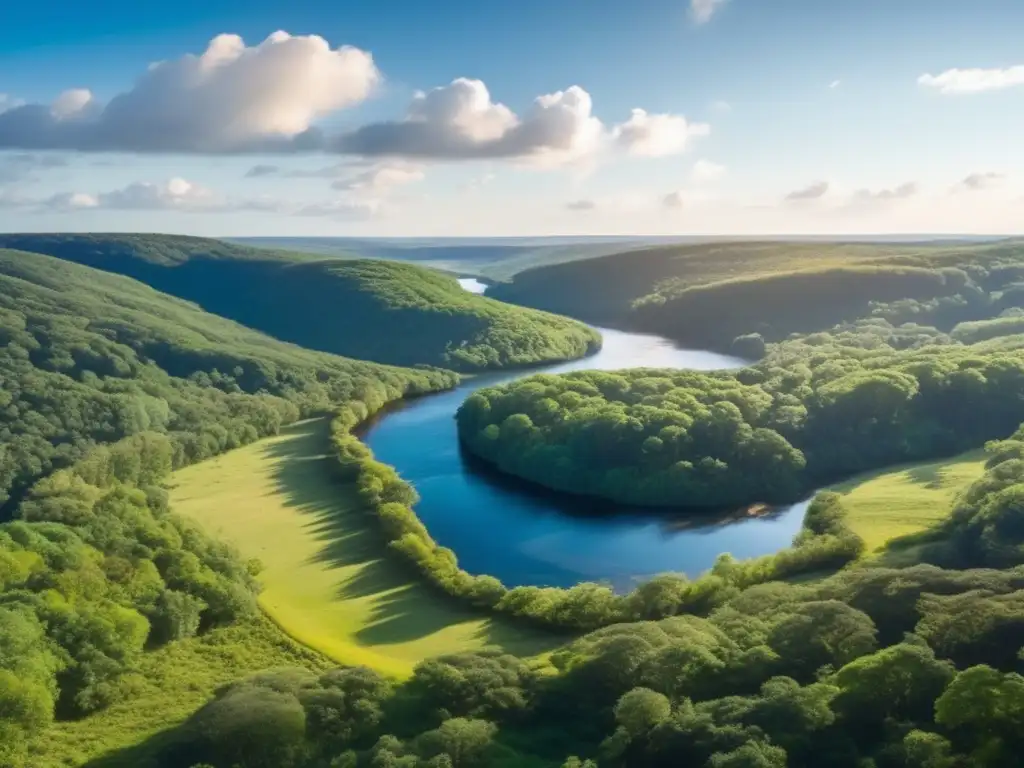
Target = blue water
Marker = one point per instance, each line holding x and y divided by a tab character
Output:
527	535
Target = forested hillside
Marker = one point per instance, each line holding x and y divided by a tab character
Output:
707	295
374	310
105	387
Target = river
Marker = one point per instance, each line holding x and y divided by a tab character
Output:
527	535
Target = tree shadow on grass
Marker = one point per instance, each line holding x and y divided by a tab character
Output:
404	609
928	475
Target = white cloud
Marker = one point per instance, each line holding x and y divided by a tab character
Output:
705	172
964	81
174	194
902	192
72	201
381	178
814	191
835	84
657	135
229	98
459	121
703	10
976	182
721	106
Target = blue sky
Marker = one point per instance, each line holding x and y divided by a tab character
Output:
759	116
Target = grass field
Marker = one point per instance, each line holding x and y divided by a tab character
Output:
328	580
895	502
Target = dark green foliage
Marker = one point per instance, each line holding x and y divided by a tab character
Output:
815	410
389	312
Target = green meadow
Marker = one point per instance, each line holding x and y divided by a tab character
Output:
328	581
886	505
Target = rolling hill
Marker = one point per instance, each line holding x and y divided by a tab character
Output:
387	312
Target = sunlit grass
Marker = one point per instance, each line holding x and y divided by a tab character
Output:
328	580
894	502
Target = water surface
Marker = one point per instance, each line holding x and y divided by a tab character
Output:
528	535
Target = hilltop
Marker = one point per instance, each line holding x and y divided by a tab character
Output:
387	312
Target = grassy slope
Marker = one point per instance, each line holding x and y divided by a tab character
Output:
328	581
382	311
894	502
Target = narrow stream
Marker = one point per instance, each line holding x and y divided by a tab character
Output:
528	535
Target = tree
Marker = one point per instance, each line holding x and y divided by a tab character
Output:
465	741
640	710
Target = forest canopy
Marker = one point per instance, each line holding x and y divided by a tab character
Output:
815	410
388	312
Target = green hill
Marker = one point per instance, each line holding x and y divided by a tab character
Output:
87	357
387	312
710	293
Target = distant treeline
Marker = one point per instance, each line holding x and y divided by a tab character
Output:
387	312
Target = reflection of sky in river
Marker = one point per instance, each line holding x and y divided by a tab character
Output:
524	535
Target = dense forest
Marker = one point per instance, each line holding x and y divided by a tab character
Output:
388	312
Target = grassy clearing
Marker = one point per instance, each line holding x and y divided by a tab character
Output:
328	581
891	503
130	733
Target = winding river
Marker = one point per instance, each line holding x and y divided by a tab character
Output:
528	535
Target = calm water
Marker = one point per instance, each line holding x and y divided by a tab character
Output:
526	535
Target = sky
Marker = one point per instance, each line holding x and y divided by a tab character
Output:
539	117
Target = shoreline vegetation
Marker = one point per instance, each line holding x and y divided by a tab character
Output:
825	543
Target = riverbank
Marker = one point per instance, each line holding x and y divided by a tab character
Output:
328	580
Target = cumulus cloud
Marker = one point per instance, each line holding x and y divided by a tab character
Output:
657	135
902	192
966	81
72	201
814	191
975	182
705	172
702	10
581	205
460	121
229	98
